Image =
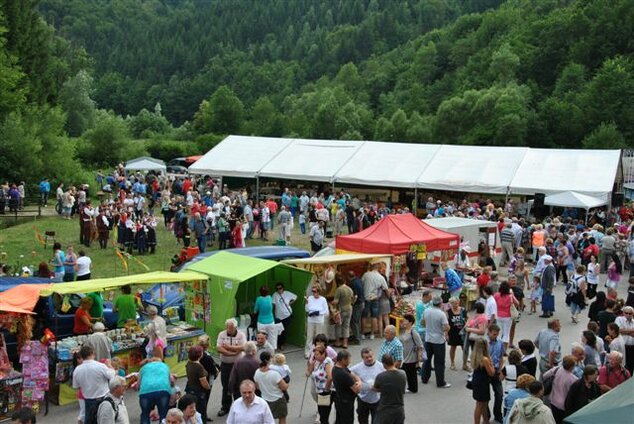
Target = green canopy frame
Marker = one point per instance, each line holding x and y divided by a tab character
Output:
234	284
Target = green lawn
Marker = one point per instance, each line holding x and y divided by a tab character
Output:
19	246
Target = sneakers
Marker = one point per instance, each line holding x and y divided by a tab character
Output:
317	420
363	337
446	386
371	336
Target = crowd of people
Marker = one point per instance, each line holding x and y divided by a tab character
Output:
255	379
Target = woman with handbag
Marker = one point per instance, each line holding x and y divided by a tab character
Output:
483	370
321	372
505	301
197	382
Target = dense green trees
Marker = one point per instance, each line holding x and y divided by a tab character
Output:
548	73
181	75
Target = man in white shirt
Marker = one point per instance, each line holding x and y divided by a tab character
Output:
92	378
490	307
249	408
230	345
283	301
367	371
84	265
626	329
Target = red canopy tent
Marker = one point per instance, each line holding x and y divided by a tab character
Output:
395	234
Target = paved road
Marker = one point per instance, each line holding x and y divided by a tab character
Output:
429	405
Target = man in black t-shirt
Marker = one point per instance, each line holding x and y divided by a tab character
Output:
347	386
391	383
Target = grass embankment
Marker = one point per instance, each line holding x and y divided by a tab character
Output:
20	246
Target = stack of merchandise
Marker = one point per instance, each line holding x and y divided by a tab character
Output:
34	360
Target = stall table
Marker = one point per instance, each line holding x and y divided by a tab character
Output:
180	338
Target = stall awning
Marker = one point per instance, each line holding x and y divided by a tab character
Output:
572	199
233	267
102	284
336	259
395	234
22	298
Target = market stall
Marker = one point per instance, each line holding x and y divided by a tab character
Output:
324	268
234	284
26	388
127	341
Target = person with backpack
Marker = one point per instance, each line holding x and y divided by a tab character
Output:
111	409
576	293
93	378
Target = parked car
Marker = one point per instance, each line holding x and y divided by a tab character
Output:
176	169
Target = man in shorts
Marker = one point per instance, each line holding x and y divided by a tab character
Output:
373	281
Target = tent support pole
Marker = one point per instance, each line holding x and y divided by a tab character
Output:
333	187
415	205
506	199
257	190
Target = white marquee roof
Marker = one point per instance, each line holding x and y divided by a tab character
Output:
474	169
572	199
312	160
550	171
387	164
239	156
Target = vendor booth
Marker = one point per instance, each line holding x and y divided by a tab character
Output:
234	284
126	341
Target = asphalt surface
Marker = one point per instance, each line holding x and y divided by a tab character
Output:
429	405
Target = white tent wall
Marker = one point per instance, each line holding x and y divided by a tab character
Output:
474	169
311	160
239	156
145	163
551	171
387	164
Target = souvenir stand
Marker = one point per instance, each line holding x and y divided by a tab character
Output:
234	284
411	242
324	268
127	341
29	387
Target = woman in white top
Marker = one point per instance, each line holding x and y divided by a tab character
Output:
317	309
272	386
593	277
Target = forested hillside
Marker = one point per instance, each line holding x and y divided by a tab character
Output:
182	74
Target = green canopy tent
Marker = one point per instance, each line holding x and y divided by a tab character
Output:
616	406
234	284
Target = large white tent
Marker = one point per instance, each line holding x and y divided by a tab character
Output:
145	163
473	169
572	199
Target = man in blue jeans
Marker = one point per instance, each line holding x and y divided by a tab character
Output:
436	333
45	190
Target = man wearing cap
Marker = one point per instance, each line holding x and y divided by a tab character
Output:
101	343
436	329
547	284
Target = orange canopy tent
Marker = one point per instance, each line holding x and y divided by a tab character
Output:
396	234
22	298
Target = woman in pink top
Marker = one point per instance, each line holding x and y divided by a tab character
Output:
561	384
504	299
476	328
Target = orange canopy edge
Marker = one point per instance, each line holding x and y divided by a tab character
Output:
22	298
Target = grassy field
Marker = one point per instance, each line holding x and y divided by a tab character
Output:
20	246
